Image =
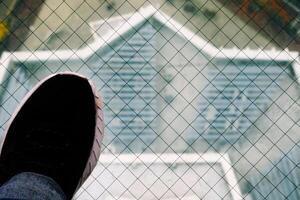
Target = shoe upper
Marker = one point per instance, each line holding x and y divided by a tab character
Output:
53	132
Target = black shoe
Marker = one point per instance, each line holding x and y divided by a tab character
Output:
57	132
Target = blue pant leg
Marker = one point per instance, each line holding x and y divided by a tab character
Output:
28	185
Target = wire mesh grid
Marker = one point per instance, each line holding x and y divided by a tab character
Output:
201	98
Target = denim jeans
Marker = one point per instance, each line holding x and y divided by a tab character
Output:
31	186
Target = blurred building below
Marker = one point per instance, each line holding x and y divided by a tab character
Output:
167	90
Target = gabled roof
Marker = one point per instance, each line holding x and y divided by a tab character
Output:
115	28
119	26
